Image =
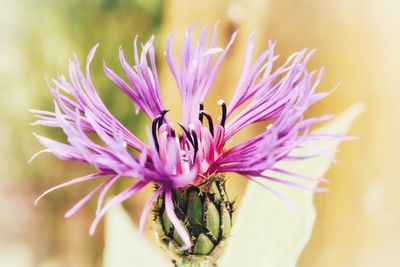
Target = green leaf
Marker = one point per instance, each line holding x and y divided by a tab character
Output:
265	232
123	245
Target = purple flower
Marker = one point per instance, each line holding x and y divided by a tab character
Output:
174	157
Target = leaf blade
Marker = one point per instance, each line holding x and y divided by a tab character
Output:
124	247
278	234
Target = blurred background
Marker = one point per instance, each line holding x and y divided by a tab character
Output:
358	41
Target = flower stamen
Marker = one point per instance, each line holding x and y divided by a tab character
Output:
162	116
223	107
210	121
188	136
195	145
154	132
173	134
156	124
200	112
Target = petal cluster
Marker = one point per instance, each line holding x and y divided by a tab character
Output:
175	156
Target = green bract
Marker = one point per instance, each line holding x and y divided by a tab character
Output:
205	212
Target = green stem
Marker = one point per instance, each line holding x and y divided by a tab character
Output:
197	262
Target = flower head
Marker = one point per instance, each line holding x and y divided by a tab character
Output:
177	156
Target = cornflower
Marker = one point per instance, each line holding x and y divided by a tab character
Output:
187	163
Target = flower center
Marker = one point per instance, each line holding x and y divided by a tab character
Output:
196	144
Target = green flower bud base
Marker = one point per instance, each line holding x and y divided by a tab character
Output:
206	214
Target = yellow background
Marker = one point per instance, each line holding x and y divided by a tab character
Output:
358	41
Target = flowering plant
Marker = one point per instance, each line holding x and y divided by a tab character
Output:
188	164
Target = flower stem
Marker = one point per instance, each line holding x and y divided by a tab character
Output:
197	262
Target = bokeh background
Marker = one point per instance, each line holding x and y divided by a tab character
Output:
358	41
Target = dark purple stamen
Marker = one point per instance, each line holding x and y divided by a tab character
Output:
189	137
154	131
200	113
195	145
223	118
162	115
210	122
156	124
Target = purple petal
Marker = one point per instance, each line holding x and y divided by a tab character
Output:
169	207
71	182
78	205
124	195
148	206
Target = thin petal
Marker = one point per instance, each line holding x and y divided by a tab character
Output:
71	182
78	205
124	195
169	207
148	206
